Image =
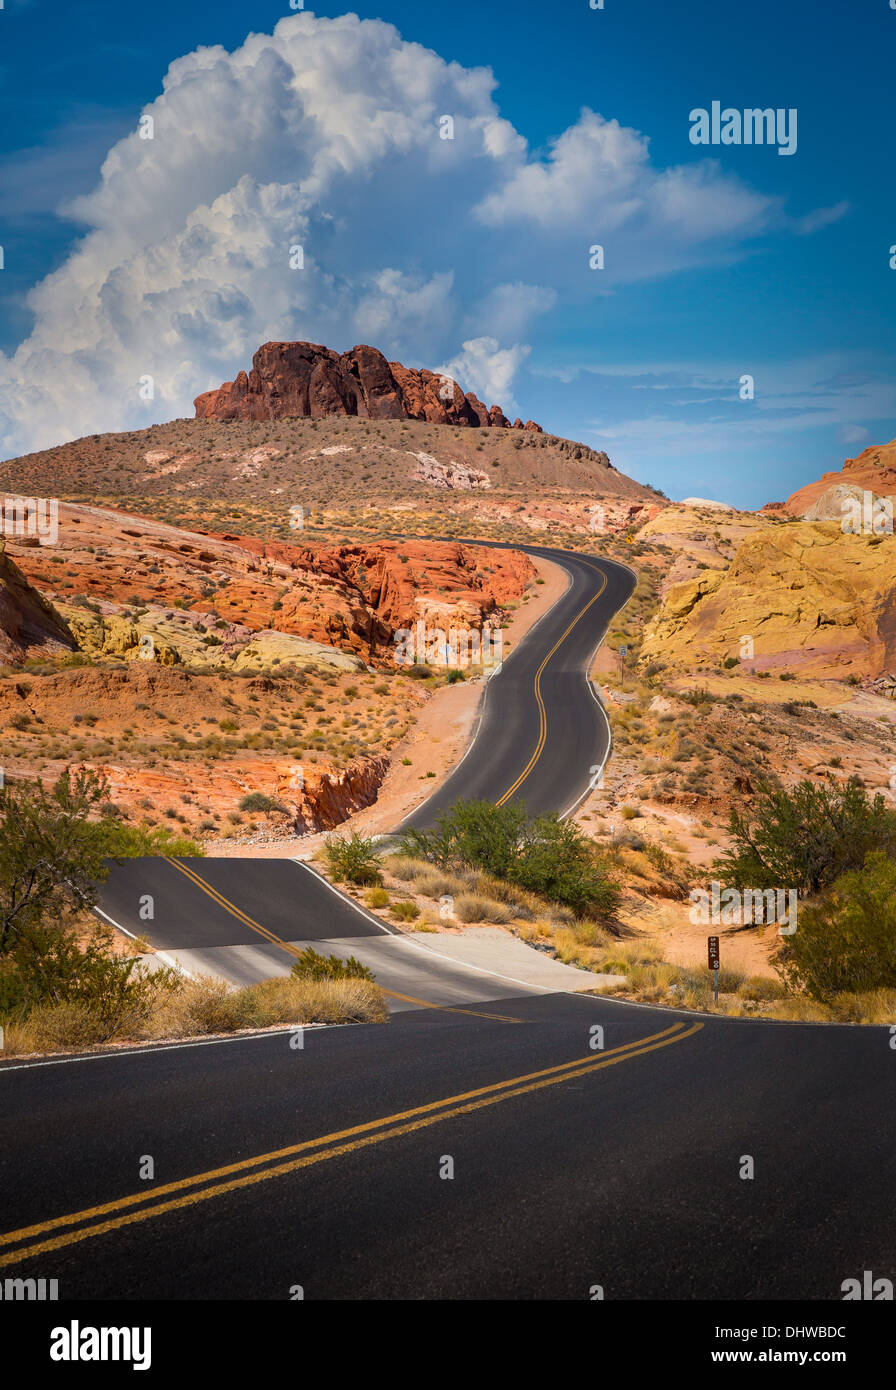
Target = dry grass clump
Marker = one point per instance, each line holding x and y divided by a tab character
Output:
876	1006
204	1006
65	1027
501	902
474	907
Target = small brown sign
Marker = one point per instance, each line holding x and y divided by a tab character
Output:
713	945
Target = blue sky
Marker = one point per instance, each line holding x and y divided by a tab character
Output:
720	261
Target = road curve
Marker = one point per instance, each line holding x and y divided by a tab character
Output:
326	1167
543	734
541	737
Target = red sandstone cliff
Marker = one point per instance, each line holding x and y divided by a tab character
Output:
305	379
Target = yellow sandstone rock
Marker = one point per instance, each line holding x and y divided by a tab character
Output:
810	599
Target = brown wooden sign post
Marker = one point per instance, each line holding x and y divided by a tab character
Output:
713	953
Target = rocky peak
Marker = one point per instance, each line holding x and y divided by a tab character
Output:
306	379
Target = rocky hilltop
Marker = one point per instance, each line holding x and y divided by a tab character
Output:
874	470
303	380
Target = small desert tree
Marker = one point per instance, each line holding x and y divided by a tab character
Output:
806	836
55	847
846	939
51	856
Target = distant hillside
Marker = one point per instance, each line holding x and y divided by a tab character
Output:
313	463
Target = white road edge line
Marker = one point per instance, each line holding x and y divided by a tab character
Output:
594	695
163	1047
162	955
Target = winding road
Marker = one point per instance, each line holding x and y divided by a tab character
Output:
494	1140
542	738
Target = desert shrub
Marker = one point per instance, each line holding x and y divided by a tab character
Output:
377	897
311	965
66	1027
543	855
845	941
208	1005
761	988
287	999
404	910
476	834
805	837
139	841
259	801
474	907
352	859
53	970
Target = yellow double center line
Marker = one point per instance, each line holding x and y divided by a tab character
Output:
542	712
294	951
216	1182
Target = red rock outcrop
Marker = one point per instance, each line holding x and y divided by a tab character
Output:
874	470
350	597
330	795
306	379
29	625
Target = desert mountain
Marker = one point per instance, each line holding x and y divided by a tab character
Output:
874	470
321	462
304	380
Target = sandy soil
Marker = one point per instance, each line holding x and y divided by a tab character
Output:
436	742
682	942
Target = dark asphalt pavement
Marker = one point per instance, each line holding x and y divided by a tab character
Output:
451	1154
625	1173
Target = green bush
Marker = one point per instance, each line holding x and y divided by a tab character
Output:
259	801
111	994
311	965
138	841
560	863
805	837
845	941
353	859
472	834
543	855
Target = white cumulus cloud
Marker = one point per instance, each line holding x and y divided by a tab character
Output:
326	135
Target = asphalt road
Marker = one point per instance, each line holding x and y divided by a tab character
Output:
543	735
321	1167
247	919
486	1143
